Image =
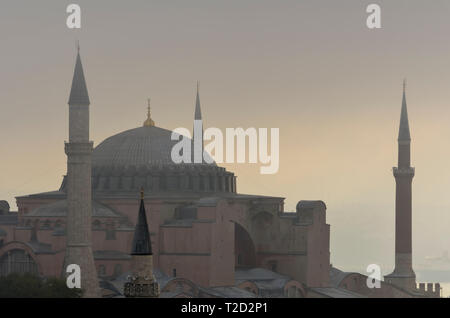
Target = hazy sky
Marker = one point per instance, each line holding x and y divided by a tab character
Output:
310	68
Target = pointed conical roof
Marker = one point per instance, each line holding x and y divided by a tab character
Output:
79	93
403	132
141	241
198	111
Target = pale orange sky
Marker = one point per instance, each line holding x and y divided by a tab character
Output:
310	68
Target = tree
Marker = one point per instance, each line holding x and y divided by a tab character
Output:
32	286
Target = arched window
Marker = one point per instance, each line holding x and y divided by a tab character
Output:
191	183
117	270
17	261
102	271
294	292
211	183
273	265
220	183
110	234
202	183
244	248
179	182
47	224
163	182
110	231
96	225
227	184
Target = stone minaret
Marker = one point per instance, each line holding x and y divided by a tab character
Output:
143	283
79	196
403	274
198	130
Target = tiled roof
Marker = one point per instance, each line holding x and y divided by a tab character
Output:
334	292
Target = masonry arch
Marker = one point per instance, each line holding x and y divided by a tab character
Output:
244	248
16	257
249	286
293	289
181	285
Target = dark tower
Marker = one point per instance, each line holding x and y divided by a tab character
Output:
403	274
143	283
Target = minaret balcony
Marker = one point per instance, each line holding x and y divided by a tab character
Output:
403	171
78	148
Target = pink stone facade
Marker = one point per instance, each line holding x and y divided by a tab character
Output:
228	233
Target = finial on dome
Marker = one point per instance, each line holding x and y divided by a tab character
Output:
149	122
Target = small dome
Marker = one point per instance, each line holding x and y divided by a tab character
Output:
4	207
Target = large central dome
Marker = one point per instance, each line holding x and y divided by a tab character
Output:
143	146
141	158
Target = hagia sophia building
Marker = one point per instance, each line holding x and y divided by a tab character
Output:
206	239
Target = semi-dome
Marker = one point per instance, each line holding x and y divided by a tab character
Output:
140	147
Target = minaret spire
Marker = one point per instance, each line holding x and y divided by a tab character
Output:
198	129
79	93
198	111
142	282
403	132
141	240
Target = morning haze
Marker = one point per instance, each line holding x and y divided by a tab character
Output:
311	68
